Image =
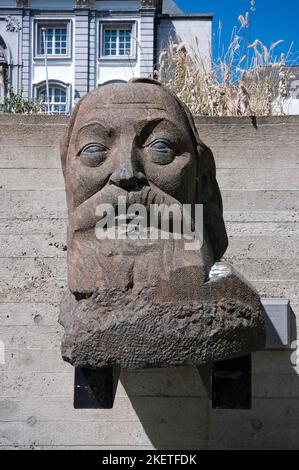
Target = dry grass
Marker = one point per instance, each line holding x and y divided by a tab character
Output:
246	79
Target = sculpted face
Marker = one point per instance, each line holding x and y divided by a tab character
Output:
138	141
131	138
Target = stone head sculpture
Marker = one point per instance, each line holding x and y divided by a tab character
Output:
147	302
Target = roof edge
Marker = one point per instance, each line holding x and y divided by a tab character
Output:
187	15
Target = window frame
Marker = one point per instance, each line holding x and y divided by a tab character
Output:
118	25
55	84
52	23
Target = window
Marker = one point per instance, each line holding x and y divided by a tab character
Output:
52	39
57	99
117	40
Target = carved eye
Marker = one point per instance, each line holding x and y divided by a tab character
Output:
162	152
93	155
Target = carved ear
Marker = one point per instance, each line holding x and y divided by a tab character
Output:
210	197
209	193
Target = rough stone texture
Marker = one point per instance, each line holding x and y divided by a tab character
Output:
154	408
131	330
143	302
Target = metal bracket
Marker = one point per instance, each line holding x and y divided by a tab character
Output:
231	383
277	316
95	388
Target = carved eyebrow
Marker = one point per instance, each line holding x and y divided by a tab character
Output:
88	132
145	127
98	124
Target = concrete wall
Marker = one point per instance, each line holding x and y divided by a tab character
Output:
258	172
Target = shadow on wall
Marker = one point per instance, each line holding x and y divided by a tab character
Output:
171	404
174	409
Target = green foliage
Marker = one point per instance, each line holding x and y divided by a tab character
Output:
14	103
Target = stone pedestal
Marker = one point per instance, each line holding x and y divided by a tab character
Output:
149	327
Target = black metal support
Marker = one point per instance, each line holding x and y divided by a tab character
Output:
231	383
95	388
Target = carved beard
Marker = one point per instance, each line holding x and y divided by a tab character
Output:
84	216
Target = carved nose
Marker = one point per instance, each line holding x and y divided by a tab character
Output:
127	177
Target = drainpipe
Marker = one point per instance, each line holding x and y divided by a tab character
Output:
46	67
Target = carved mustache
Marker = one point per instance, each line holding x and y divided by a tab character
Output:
84	216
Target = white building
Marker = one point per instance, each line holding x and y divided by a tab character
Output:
78	45
291	104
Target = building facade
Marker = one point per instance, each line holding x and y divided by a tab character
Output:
58	50
291	104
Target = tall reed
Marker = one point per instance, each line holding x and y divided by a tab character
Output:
245	79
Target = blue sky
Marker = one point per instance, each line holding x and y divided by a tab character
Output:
272	20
